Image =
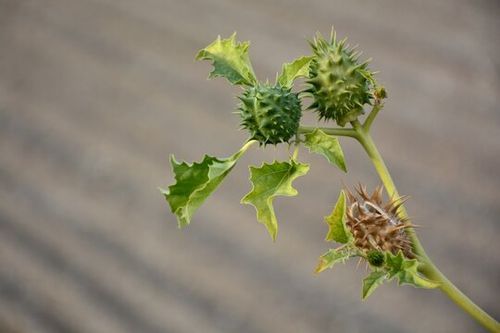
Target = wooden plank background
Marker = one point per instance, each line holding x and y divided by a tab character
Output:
95	95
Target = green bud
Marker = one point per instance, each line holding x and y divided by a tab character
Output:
380	93
339	84
270	113
375	258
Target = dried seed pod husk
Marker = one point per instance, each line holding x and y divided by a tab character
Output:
375	225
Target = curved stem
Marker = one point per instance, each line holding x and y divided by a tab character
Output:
428	268
373	114
331	131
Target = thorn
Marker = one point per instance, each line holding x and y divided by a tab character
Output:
404	220
393	205
359	262
377	194
350	196
398	203
394	229
356	224
333	35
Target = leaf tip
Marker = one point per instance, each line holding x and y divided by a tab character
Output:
172	159
320	267
182	221
163	191
199	55
272	230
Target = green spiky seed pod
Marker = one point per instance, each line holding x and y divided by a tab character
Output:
338	83
375	258
376	226
270	113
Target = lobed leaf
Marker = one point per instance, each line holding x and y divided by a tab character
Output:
333	256
293	70
230	60
372	281
319	142
337	229
406	271
195	182
268	182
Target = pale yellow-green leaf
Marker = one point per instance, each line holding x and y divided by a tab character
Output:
230	60
406	271
270	181
333	256
337	229
293	70
195	182
319	142
372	281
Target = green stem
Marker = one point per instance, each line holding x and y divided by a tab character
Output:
428	267
331	131
373	114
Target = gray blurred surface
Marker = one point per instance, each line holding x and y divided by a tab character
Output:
95	95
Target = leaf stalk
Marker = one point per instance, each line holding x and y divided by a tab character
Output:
328	130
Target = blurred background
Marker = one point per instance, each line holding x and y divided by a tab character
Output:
95	95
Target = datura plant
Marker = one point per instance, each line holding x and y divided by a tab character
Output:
340	88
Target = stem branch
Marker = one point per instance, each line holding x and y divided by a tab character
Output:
373	114
331	131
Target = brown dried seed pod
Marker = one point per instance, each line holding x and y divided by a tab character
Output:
375	225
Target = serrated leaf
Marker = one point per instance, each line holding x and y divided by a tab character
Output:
195	182
270	181
337	229
333	256
406	271
319	142
394	262
372	281
230	60
293	70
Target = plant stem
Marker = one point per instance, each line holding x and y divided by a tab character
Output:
331	131
371	117
428	267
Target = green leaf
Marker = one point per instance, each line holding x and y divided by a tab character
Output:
337	229
406	271
394	262
333	256
295	69
230	60
372	281
269	181
319	142
195	182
